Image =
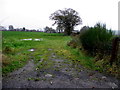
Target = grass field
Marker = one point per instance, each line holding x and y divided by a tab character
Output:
15	52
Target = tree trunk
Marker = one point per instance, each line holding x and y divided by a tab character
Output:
68	31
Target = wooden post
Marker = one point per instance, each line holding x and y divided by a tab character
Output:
115	45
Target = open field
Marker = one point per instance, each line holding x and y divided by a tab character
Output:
16	52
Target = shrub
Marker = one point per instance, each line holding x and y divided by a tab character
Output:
97	39
74	42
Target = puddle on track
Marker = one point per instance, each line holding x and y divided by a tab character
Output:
31	50
30	39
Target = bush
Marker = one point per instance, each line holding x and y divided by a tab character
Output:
74	43
97	39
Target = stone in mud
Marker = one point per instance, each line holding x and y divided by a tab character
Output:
48	75
113	85
103	77
51	82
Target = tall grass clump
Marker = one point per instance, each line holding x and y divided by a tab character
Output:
97	39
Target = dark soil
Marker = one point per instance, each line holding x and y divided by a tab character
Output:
62	74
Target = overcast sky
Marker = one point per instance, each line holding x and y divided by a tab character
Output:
34	14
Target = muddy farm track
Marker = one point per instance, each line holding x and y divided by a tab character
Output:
61	73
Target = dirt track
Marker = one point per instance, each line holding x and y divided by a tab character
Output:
62	74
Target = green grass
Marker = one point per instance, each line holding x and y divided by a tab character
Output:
16	54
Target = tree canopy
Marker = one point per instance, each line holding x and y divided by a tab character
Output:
66	19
